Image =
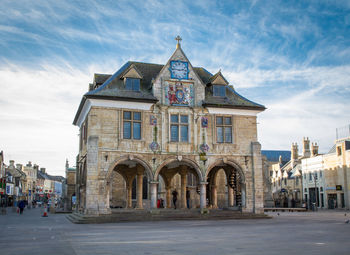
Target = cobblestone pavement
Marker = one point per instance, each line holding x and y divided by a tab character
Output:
323	232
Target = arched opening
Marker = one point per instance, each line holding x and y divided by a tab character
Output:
225	187
178	179
128	185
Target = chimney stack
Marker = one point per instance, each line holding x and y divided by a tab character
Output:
29	163
314	149
42	170
294	152
19	166
306	147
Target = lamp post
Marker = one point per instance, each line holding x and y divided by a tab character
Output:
316	196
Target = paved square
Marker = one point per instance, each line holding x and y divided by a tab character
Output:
288	233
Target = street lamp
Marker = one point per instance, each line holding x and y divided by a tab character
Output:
315	179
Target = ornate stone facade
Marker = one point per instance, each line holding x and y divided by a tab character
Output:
149	129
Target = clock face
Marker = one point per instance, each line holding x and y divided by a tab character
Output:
179	69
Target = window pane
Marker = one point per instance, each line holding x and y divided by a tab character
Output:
216	90
227	120
128	84
127	130
136	85
228	135
184	133
219	135
174	132
219	91
137	116
175	118
136	130
222	91
184	119
218	120
127	115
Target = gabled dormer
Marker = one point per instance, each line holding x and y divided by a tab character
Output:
132	78
218	84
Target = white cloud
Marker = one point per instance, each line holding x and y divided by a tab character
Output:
38	108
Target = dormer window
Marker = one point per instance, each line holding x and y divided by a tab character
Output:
132	84
219	90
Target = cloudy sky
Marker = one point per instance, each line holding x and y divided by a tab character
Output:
293	57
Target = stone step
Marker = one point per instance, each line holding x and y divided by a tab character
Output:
143	215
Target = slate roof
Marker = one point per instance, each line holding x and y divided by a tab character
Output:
112	87
273	155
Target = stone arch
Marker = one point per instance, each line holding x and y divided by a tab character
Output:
120	160
230	162
185	160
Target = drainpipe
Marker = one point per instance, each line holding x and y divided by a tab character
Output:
253	175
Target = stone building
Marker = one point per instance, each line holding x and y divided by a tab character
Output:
327	177
149	129
70	186
286	177
31	175
272	161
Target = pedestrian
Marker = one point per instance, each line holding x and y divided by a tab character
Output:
188	197
174	197
21	206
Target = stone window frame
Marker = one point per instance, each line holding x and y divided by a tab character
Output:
132	121
179	124
224	125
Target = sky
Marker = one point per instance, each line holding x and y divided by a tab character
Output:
291	56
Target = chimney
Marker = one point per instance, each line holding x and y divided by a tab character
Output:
306	147
67	164
19	166
294	152
36	167
314	149
42	170
12	163
29	163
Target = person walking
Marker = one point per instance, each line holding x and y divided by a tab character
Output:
188	197
174	197
21	206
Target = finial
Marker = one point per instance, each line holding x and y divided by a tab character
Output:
178	39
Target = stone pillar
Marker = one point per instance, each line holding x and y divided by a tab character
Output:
257	180
203	194
129	195
139	187
168	197
183	173
96	193
230	196
153	187
214	197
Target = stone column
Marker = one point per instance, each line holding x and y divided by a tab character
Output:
214	197
129	195
230	196
203	194
139	187
95	200
183	173
168	197
153	187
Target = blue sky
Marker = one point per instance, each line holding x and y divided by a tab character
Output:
291	56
